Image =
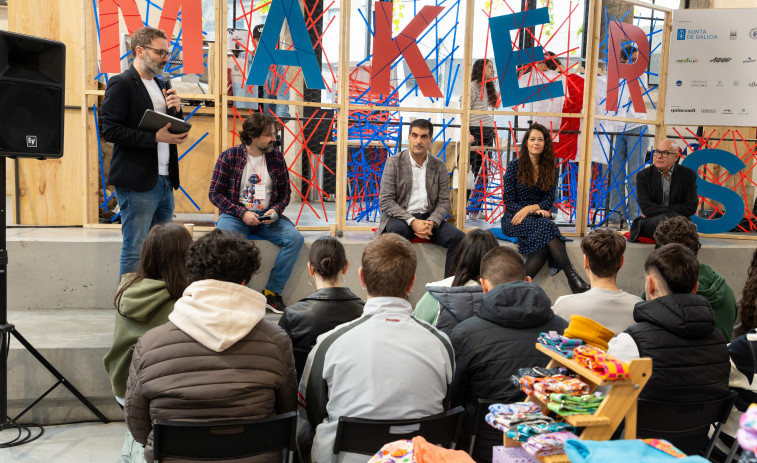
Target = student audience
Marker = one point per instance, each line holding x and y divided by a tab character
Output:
676	328
452	300
499	339
217	357
712	285
330	306
145	298
384	365
604	303
211	354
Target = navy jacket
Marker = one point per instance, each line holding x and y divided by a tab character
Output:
135	152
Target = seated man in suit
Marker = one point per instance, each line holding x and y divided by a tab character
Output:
414	195
665	190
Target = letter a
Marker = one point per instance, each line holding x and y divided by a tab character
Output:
302	55
386	50
508	61
619	33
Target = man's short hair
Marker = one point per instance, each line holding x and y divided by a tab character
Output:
604	250
502	265
389	263
223	255
679	230
254	126
257	31
423	124
144	36
677	265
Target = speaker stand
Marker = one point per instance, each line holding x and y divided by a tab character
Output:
6	330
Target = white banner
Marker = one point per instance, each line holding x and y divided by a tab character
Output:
712	68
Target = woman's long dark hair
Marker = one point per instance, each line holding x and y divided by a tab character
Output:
526	172
164	256
748	310
477	74
466	265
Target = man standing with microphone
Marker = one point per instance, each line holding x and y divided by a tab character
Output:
145	165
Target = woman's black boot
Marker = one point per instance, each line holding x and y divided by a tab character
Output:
576	283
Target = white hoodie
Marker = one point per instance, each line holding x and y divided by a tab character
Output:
217	314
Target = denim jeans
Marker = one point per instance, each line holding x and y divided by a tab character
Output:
628	159
140	210
281	233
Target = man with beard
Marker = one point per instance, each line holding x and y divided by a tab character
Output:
250	188
145	165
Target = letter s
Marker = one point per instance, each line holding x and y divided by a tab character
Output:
733	203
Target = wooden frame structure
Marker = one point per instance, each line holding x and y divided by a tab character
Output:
89	95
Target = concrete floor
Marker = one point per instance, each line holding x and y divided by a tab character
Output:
80	443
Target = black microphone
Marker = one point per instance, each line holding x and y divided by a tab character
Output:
167	86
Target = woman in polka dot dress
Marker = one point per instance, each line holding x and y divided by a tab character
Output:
529	191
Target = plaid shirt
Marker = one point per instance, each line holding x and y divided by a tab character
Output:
227	177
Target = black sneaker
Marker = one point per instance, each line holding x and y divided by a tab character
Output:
275	303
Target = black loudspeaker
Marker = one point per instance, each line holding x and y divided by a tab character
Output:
32	88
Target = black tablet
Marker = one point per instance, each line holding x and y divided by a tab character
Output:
152	121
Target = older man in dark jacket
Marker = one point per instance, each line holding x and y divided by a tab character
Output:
500	338
217	357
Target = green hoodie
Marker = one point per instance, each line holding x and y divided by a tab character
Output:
144	306
714	288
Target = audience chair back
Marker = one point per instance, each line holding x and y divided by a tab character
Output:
225	440
479	421
685	425
366	437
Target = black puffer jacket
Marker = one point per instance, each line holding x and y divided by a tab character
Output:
493	344
456	303
316	314
689	354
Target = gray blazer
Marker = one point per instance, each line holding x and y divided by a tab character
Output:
397	184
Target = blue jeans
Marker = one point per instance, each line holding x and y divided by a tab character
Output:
627	161
140	210
281	233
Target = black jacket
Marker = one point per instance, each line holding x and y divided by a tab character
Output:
456	303
318	313
493	344
683	192
689	354
135	152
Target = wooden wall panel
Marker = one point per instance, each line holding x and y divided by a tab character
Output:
51	192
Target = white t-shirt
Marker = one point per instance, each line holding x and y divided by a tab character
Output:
256	185
418	202
159	105
612	309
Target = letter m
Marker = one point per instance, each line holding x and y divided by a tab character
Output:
191	22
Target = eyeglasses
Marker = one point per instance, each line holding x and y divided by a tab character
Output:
160	52
663	154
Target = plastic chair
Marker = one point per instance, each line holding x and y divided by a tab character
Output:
479	419
225	440
685	425
366	437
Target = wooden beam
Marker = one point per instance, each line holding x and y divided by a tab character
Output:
342	151
463	153
584	166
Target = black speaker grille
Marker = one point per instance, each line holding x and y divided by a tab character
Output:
30	119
